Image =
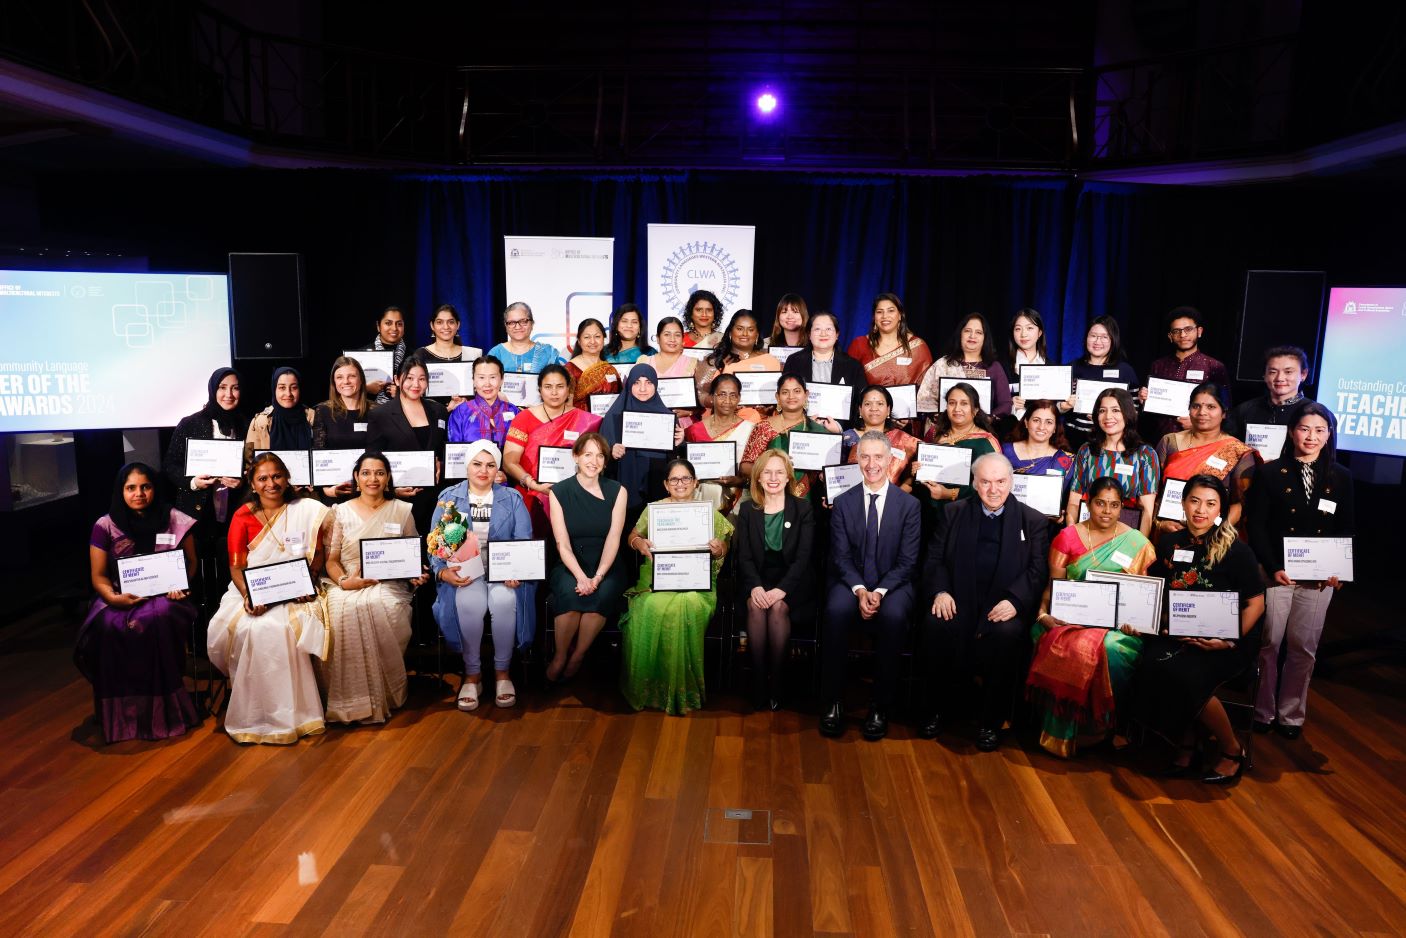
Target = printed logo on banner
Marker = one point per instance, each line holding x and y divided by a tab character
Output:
685	258
700	265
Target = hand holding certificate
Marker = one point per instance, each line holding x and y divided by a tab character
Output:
554	463
678	393
1268	438
1084	602
517	560
1044	493
333	466
520	388
1087	391
1318	559
1171	398
297	461
451	379
377	366
680	526
949	465
643	430
829	400
390	558
413	468
1204	614
278	583
153	574
1046	382
682	571
814	451
1170	508
1139	599
840	479
221	458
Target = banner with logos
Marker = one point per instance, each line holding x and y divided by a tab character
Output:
684	258
564	280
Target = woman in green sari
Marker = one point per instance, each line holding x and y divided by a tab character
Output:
775	431
663	632
1077	674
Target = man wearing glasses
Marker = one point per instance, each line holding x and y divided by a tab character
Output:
519	353
1186	363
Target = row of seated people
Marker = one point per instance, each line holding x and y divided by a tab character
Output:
873	551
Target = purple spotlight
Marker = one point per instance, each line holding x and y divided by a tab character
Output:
767	102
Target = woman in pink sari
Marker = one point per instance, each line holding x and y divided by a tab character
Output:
554	422
890	354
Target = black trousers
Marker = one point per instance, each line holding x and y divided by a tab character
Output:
889	626
953	650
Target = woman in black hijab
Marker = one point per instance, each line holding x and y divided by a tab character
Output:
639	471
286	424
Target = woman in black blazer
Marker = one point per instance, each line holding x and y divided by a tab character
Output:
1303	493
411	421
824	362
774	545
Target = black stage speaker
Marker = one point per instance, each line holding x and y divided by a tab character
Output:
1282	307
266	305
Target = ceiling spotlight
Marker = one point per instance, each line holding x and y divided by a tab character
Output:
767	102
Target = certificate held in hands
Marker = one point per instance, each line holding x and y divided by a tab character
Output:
948	465
517	560
390	558
713	460
682	571
829	400
333	466
1170	507
451	379
678	393
1085	602
153	574
414	468
377	366
814	451
642	430
1087	391
1044	493
297	461
1204	614
554	463
1170	398
840	479
215	458
1139	599
280	582
1315	559
680	525
1046	382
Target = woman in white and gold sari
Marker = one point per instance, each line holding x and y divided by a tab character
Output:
364	673
266	650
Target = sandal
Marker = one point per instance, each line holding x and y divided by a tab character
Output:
468	697
505	695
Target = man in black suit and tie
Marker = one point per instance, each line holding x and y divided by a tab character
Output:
986	571
874	534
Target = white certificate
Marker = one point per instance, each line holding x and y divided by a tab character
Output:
1170	507
713	460
814	451
840	479
333	466
758	387
683	570
1085	602
554	463
678	393
1088	390
698	352
450	379
517	560
905	401
520	388
1046	382
377	366
1204	614
153	574
412	467
1318	558
1139	599
982	386
456	460
647	431
298	462
600	403
783	352
215	458
1041	492
1172	398
279	582
950	465
390	558
680	525
829	400
1268	438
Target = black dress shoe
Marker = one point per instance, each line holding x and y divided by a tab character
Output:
1259	726
931	728
1215	778
832	721
988	740
876	726
1288	730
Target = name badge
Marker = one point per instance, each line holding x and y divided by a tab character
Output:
390	529
1183	556
1121	559
295	543
1123	470
756	368
905	360
570	435
1215	462
1054	472
441	424
1110	372
359	427
1327	506
164	539
898	453
1196	374
1022	534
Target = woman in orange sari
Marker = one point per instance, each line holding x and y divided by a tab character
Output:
554	422
890	354
590	374
1206	449
875	406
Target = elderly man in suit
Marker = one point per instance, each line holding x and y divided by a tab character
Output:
874	533
986	571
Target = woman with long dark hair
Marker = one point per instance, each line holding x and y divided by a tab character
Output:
1116	450
627	342
970	353
890	353
1102	362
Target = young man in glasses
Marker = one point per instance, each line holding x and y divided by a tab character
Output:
1186	363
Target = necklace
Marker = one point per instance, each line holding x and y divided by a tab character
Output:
1089	536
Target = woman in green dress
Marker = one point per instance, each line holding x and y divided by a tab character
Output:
588	515
663	632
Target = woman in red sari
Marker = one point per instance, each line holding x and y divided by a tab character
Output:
1206	449
554	422
590	374
890	354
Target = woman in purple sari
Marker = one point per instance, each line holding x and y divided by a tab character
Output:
132	648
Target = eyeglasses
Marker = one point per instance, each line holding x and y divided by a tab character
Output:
1185	330
678	480
517	322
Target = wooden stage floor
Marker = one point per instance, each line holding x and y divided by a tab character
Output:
572	816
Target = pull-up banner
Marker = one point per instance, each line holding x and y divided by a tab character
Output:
564	280
684	258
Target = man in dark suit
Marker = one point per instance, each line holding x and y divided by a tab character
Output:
986	571
874	532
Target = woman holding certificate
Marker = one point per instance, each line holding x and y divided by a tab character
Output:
1037	445
875	406
641	431
588	517
970	353
412	423
340	421
1102	362
520	353
1205	448
552	423
132	645
1211	641
1115	450
962	424
369	619
626	336
265	644
670	361
723	424
464	594
775	544
1303	493
890	354
822	361
1077	674
774	433
286	424
663	628
590	374
390	337
486	415
737	353
701	314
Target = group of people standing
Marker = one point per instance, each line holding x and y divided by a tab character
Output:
966	560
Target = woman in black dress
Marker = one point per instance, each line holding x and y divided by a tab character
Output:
411	422
1174	687
340	422
588	517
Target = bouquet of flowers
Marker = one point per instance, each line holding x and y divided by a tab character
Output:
452	539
